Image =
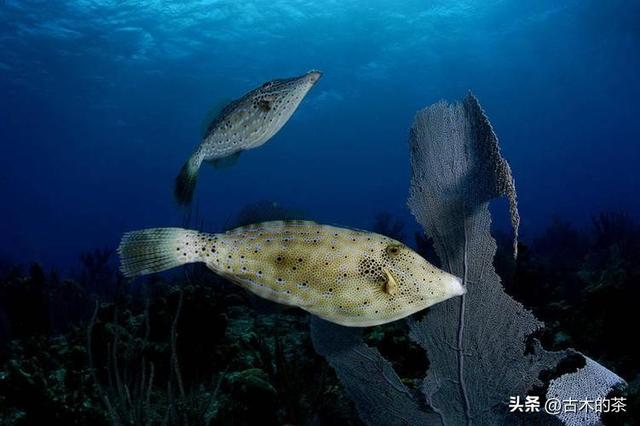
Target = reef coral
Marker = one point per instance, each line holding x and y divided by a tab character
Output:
477	346
234	350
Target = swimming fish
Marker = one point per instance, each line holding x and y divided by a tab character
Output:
244	124
349	277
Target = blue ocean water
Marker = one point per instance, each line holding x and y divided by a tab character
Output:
102	101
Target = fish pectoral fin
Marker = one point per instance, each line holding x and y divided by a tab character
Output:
225	162
390	284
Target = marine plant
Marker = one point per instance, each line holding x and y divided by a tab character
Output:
240	354
140	376
386	224
479	346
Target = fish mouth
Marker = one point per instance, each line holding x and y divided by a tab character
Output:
456	288
313	76
287	85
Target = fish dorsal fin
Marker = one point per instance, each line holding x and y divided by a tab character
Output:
225	162
212	115
289	222
273	224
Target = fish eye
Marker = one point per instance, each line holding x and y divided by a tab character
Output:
392	249
267	85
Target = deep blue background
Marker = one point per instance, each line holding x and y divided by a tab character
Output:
102	101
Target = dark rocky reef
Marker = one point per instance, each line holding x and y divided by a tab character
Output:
194	349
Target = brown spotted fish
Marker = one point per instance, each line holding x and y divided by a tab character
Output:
348	277
244	124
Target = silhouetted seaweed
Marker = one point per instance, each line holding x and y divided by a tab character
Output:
130	379
99	274
386	224
616	228
424	246
25	302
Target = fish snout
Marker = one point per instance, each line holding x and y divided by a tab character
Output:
313	76
456	288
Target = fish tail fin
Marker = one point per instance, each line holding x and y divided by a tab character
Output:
186	180
157	249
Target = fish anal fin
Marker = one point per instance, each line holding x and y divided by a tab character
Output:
225	162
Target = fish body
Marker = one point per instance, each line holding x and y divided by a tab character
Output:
243	124
349	277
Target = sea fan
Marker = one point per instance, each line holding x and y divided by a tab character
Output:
476	344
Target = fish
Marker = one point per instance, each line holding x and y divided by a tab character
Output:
349	277
244	124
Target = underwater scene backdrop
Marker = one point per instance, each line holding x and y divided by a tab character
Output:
102	102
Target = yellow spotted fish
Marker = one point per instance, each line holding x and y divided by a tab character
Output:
349	277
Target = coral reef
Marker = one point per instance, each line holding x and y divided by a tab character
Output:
182	354
477	346
188	349
225	357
